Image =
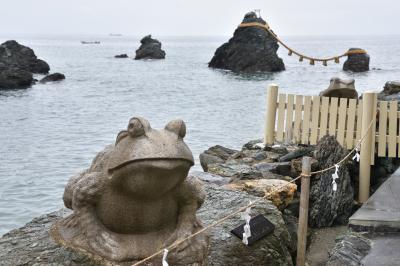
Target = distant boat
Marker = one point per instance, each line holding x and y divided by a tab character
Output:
94	42
116	34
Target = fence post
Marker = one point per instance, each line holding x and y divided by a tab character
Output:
270	117
366	146
303	212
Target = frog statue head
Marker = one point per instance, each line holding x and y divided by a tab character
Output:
148	163
136	199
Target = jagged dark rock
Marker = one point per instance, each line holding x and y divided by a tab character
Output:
13	77
13	54
149	49
121	56
356	62
52	77
250	50
328	207
32	245
215	154
17	63
349	250
390	91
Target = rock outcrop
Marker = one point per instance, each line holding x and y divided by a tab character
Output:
250	50
253	161
121	56
349	250
356	62
280	192
340	88
149	49
32	244
52	77
255	169
17	63
13	54
390	92
13	77
328	207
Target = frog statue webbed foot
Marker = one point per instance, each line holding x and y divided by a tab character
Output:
136	199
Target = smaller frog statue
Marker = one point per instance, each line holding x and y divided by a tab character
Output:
136	199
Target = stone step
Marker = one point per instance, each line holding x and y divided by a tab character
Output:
381	212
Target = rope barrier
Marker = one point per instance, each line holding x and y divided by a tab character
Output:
301	55
221	220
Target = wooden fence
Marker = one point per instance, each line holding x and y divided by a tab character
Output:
302	119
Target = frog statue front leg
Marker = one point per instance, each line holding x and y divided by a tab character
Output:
81	194
190	196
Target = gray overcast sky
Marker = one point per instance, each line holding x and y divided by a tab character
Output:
201	17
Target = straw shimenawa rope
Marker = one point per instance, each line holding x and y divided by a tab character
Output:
221	220
301	56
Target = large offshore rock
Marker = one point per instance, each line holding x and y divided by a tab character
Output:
52	77
32	244
14	77
340	88
13	54
356	62
250	50
149	49
328	207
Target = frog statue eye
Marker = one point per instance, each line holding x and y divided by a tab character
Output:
177	126
136	127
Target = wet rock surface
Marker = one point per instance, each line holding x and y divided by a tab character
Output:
149	49
32	245
121	56
390	91
341	88
17	63
52	77
13	77
328	207
253	161
349	250
250	50
356	62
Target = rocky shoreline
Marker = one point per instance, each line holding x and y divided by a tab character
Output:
32	244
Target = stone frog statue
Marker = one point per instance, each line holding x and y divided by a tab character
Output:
136	199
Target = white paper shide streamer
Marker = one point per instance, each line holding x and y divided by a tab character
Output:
334	177
357	155
164	259
247	232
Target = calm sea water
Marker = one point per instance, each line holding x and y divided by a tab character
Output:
49	132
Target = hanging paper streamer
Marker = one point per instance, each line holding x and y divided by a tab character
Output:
290	53
164	259
325	63
247	232
312	62
334	177
300	59
357	155
337	61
